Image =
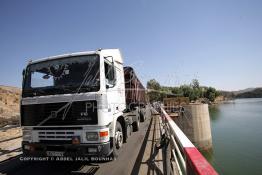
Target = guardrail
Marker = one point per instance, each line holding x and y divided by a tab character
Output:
6	140
186	157
4	152
9	127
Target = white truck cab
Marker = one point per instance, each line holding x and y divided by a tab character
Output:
76	104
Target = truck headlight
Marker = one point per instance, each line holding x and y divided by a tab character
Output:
92	136
27	135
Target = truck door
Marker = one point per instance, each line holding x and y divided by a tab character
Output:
111	81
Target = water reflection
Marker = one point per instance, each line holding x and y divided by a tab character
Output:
214	112
236	136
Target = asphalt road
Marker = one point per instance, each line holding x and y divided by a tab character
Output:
126	163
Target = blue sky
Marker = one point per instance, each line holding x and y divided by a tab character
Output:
218	42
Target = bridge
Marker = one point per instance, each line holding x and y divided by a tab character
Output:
159	147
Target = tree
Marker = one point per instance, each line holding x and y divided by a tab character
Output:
211	94
195	84
177	91
186	90
195	94
154	95
153	84
193	91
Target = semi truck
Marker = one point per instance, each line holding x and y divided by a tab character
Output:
80	104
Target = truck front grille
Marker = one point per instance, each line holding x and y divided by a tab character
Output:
56	142
55	135
79	113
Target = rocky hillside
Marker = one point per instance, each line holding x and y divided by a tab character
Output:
255	93
9	105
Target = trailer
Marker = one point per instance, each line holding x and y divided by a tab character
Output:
135	92
80	104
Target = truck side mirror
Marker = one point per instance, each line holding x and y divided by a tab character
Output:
109	85
23	77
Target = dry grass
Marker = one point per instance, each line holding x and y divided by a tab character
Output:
9	105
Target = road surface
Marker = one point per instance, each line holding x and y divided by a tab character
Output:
129	161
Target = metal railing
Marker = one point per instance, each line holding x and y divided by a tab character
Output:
3	151
184	157
9	127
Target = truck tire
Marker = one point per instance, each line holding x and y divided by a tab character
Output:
136	125
142	116
128	132
118	139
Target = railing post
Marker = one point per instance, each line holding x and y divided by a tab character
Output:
167	156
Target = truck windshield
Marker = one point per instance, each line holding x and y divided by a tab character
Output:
64	75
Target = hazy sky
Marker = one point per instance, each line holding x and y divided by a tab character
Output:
218	42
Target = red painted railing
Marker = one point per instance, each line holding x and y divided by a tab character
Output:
192	161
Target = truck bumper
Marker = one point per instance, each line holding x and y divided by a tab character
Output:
70	150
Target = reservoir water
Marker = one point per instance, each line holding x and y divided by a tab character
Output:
237	137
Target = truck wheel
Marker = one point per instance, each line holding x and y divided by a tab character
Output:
118	140
128	132
136	125
142	116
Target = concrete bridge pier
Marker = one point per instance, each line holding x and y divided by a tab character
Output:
195	123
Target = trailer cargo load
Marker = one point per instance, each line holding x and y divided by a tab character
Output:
134	89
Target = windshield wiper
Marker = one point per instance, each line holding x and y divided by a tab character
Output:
90	87
59	89
34	92
66	88
41	91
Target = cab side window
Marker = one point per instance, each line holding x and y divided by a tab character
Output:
109	73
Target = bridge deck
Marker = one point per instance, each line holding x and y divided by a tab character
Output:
138	156
152	159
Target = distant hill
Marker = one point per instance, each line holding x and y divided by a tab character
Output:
227	94
9	104
243	91
255	93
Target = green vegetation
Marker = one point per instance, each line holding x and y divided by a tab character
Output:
194	91
153	84
155	94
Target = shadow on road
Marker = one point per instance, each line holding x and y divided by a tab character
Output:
15	166
139	158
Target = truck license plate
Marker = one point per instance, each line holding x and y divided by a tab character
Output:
55	153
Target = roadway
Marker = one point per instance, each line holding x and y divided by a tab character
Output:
134	158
